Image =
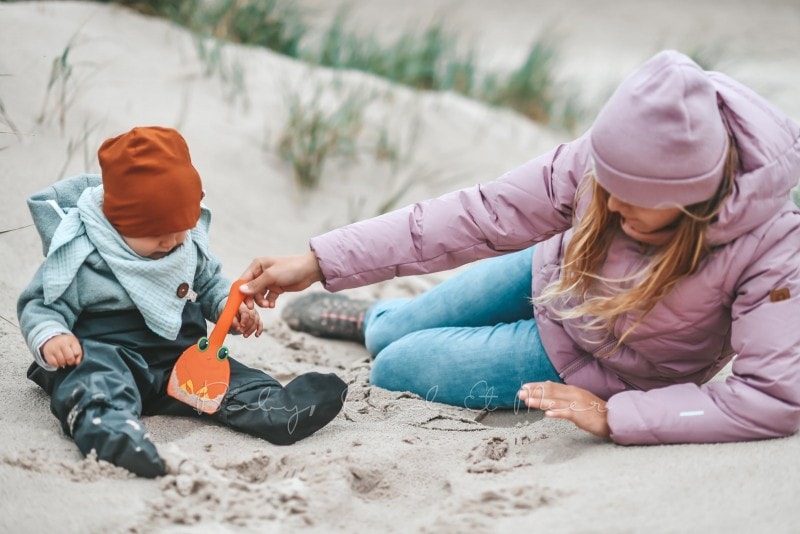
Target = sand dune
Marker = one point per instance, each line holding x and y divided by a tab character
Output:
391	461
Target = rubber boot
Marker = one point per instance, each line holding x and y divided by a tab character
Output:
285	414
118	438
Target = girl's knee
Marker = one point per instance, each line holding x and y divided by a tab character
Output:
379	372
379	335
392	370
384	325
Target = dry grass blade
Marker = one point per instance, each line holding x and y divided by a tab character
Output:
8	122
312	135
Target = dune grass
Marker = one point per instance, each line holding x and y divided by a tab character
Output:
59	93
313	134
423	60
427	59
230	72
5	119
266	23
65	83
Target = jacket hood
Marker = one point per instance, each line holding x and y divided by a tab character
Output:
63	194
50	205
769	149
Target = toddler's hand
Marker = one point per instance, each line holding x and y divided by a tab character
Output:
247	321
62	350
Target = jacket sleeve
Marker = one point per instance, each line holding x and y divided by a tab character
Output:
525	206
761	397
210	285
38	322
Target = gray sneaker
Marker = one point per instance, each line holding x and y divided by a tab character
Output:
327	315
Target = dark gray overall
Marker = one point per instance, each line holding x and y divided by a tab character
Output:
124	374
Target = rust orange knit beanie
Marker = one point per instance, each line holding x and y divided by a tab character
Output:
150	186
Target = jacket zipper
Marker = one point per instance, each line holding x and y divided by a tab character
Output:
601	354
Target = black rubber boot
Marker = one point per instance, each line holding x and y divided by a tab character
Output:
328	315
283	414
118	438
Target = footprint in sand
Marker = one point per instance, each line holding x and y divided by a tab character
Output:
513	501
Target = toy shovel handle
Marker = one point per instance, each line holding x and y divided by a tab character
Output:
235	298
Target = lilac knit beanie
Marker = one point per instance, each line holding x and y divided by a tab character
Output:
660	141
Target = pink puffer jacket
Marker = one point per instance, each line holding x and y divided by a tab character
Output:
744	301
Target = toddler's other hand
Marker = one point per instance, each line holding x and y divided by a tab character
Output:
247	321
62	350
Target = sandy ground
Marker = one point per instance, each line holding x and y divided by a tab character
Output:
391	461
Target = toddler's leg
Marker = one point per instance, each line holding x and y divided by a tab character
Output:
98	404
259	405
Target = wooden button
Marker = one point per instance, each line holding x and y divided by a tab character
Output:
183	289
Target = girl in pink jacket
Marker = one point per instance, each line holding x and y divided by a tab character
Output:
647	254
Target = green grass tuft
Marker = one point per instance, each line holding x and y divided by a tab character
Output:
312	135
426	59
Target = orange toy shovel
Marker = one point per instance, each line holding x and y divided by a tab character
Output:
201	375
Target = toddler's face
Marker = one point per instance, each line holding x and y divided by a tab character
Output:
157	246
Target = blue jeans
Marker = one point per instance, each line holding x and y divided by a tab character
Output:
470	341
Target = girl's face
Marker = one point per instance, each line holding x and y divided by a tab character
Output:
638	222
156	247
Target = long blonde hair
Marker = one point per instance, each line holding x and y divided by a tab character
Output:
676	259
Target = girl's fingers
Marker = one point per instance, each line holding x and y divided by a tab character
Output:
272	298
548	395
536	394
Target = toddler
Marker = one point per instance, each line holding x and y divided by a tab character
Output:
127	284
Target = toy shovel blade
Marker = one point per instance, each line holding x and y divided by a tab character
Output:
199	380
201	375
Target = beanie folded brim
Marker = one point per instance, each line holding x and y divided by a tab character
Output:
645	192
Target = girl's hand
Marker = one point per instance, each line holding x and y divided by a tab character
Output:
62	350
560	401
247	321
268	278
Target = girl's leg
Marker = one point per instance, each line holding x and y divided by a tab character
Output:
476	367
495	291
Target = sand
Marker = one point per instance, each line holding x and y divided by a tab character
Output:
391	461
